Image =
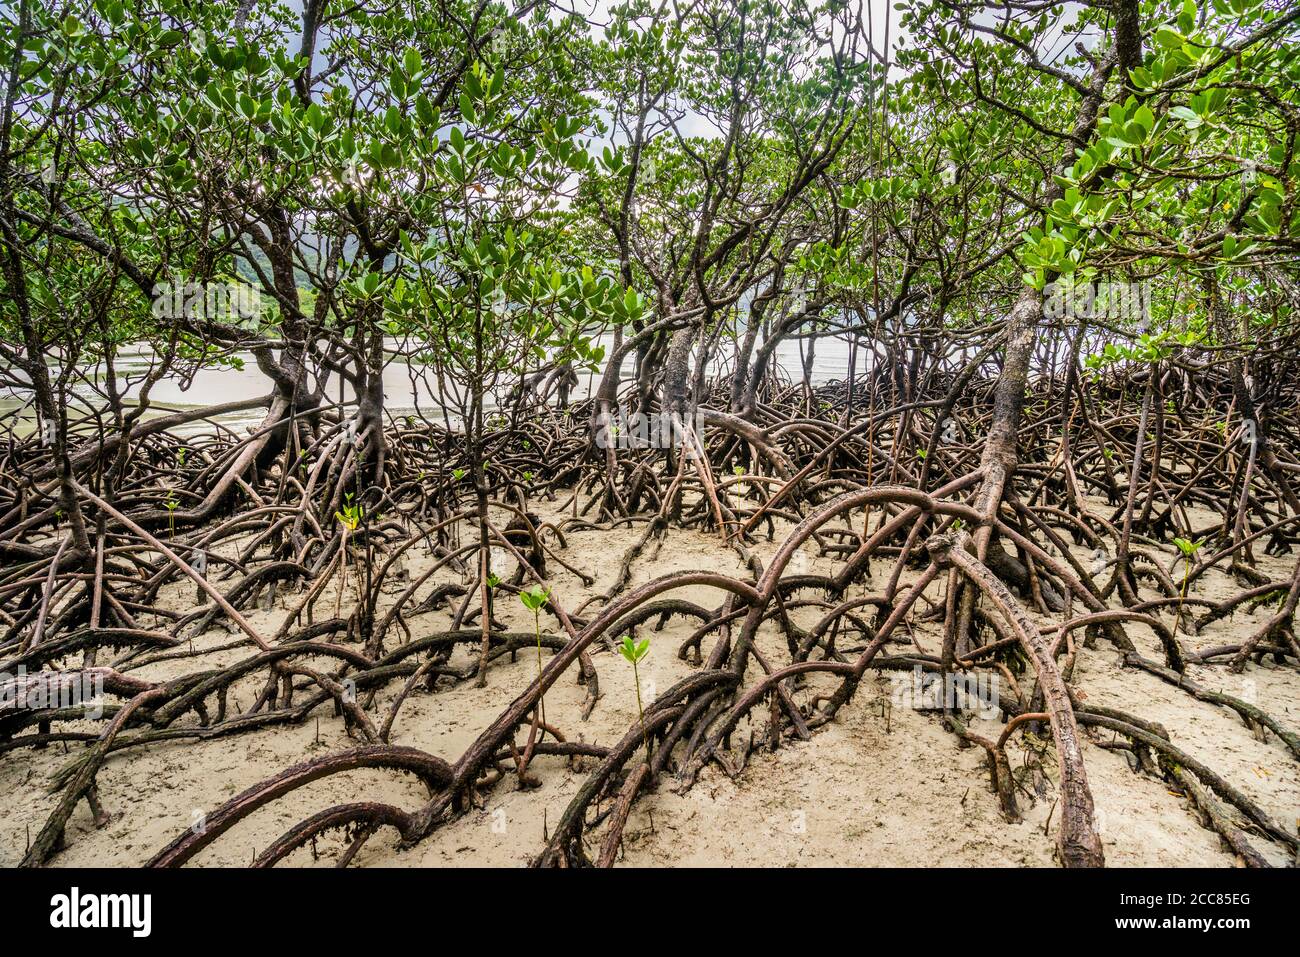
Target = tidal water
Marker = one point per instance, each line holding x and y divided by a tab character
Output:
407	386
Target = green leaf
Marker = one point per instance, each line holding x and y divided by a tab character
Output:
412	62
1169	38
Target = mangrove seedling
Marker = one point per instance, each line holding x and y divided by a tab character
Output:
350	519
634	652
1188	548
535	598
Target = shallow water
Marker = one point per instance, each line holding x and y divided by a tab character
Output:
406	387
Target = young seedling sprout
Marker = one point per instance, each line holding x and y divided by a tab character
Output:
535	598
350	519
1189	550
171	504
634	652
